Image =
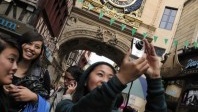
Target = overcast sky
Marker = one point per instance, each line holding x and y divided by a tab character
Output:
95	58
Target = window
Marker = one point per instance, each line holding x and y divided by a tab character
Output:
168	18
159	51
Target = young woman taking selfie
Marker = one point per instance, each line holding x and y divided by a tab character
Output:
99	85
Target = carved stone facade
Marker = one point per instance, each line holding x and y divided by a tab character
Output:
84	25
94	37
112	12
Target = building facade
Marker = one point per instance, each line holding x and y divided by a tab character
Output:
158	19
46	16
182	85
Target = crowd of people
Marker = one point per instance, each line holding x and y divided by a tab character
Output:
25	83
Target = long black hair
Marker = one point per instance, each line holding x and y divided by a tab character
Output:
75	72
31	36
81	89
6	41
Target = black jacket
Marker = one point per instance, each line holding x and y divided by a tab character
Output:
4	105
34	82
100	99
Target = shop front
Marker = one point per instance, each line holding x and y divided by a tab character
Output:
182	89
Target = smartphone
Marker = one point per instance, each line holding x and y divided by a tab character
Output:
137	48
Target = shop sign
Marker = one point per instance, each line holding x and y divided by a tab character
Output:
7	24
192	64
173	90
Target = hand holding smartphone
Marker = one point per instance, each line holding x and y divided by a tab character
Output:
137	47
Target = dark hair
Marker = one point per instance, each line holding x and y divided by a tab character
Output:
4	103
31	36
81	89
75	72
7	40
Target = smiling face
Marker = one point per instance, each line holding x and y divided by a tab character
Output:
32	50
8	61
101	73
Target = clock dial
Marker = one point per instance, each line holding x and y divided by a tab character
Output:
117	9
133	7
123	6
122	3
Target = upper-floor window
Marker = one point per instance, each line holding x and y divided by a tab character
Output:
159	51
168	18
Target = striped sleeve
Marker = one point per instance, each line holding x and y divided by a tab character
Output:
156	97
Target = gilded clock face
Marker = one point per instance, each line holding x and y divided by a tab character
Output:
122	3
126	6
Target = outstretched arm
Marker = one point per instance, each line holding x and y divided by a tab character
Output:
155	98
98	100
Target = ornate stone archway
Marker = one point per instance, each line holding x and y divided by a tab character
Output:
87	32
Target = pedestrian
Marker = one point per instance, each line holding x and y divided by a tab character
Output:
9	55
100	84
29	92
71	78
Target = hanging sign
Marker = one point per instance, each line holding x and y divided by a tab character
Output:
192	64
8	24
